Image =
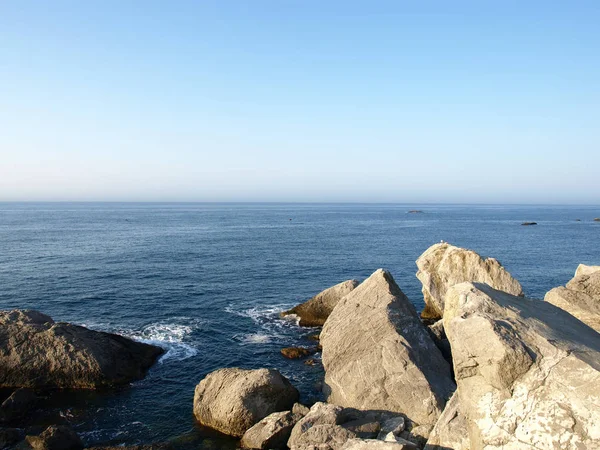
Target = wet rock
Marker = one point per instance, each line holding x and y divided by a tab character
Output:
18	405
297	352
528	224
232	400
272	432
528	373
378	355
310	362
55	437
35	351
9	437
315	311
443	265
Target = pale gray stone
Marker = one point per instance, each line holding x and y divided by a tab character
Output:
443	265
232	400
374	444
528	373
450	431
379	356
272	432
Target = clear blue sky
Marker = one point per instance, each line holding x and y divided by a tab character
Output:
433	101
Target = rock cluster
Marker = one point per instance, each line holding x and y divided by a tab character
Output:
37	352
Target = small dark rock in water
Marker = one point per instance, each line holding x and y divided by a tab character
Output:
56	437
310	362
577	220
529	223
297	352
597	219
415	211
314	337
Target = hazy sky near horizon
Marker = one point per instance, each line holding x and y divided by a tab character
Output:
383	101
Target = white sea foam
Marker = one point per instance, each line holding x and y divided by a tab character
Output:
256	338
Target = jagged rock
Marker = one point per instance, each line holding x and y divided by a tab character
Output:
450	431
55	437
374	444
272	432
9	437
233	400
297	352
443	265
581	296
392	428
35	351
528	373
314	312
378	355
418	434
18	405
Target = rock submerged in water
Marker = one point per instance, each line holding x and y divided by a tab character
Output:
37	352
378	355
528	224
528	373
443	265
314	312
232	400
581	296
297	352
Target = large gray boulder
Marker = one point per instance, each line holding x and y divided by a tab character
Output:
35	351
450	431
581	296
379	356
528	373
443	265
314	312
233	400
272	432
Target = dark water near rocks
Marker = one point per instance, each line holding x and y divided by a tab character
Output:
206	282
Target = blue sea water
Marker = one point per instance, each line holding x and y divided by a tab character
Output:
207	281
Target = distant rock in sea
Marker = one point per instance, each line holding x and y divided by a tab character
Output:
37	352
415	211
527	224
442	266
314	312
597	219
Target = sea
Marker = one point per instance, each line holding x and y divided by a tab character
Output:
207	281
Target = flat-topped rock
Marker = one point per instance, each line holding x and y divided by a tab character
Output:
581	296
443	265
528	373
232	400
314	312
35	351
379	356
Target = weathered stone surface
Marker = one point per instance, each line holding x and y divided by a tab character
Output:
233	400
583	269
364	427
314	312
580	297
374	444
450	431
321	428
18	405
378	355
55	437
300	410
272	432
443	265
393	427
417	434
528	373
37	352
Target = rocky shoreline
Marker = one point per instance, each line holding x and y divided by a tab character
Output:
482	367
